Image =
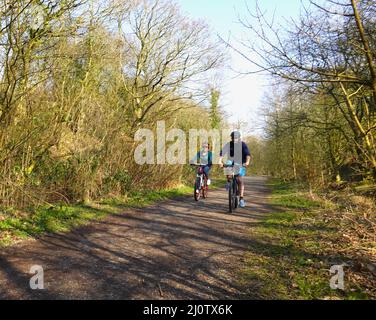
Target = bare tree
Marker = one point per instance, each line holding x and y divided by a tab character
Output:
168	58
331	51
27	32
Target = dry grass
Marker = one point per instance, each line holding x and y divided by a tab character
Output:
303	239
355	216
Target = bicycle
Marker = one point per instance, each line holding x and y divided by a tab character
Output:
201	183
233	190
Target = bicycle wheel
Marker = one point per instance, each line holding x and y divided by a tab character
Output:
230	199
235	201
205	188
197	195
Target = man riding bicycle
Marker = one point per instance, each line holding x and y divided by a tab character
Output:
204	157
237	152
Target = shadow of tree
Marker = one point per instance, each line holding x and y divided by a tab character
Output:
172	250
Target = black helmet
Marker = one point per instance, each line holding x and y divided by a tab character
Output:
235	135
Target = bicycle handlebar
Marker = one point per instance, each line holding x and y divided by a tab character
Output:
232	165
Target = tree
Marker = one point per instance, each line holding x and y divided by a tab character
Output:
215	117
76	84
329	51
168	56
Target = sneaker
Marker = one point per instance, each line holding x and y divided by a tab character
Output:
242	203
208	182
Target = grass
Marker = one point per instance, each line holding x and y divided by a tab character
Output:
144	198
294	250
15	227
60	218
63	218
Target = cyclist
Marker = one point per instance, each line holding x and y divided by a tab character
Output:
204	157
237	151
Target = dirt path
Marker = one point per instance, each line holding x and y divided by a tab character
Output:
176	249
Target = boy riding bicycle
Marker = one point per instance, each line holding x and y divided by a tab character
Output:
204	157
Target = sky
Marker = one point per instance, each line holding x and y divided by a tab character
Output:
241	95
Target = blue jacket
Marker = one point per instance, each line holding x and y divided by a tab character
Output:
208	160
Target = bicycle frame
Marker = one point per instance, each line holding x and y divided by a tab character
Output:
233	195
200	183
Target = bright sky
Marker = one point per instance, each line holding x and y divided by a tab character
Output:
242	95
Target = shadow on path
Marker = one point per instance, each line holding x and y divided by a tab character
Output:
176	249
